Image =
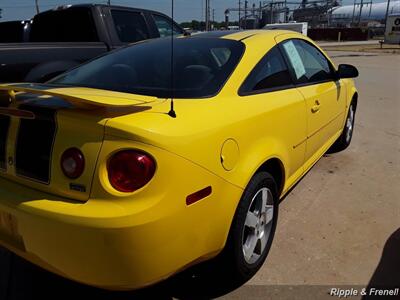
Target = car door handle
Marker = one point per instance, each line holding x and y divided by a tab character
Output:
315	108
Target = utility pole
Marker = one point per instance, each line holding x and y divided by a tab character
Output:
387	13
109	2
245	14
286	12
37	6
207	15
272	12
327	13
240	8
359	16
253	13
370	8
213	17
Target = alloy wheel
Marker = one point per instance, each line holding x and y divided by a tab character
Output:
258	225
349	124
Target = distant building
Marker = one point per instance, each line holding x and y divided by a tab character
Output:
344	15
392	33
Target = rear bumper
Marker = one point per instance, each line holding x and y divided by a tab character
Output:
122	244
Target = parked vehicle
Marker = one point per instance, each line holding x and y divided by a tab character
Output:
121	189
300	27
14	31
62	38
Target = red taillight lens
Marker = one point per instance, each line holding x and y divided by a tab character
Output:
72	163
129	170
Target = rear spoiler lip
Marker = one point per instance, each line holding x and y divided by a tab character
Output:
18	113
80	97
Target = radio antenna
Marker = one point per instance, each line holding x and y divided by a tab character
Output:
171	112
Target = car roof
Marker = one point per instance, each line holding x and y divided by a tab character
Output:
240	35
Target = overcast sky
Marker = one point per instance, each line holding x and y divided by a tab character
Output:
185	10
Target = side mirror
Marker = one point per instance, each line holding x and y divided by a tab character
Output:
347	71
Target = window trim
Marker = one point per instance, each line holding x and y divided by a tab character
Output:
272	89
168	19
114	27
292	73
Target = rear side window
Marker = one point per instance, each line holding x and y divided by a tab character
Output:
66	25
221	55
130	26
308	63
270	73
165	27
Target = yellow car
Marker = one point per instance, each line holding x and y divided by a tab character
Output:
128	169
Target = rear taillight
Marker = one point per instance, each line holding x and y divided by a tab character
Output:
129	170
72	163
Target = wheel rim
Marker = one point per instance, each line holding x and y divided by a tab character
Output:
349	124
258	225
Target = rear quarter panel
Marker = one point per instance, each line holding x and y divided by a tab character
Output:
264	126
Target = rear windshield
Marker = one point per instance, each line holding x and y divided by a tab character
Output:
200	68
67	25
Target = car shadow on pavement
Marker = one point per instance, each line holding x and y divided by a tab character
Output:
387	273
21	280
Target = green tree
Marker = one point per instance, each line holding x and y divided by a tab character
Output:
200	25
194	24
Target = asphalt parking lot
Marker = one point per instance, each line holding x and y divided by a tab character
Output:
339	226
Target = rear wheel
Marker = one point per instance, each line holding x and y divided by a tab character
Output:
253	228
344	139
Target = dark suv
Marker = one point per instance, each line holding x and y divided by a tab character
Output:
59	39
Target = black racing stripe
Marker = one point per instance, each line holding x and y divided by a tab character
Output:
34	144
246	37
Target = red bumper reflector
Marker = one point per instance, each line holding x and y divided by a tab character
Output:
192	198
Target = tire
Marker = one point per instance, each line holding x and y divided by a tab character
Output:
252	228
344	139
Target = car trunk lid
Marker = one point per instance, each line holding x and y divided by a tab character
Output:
38	123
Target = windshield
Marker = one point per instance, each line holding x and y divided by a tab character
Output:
200	69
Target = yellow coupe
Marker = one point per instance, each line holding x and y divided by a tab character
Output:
128	169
